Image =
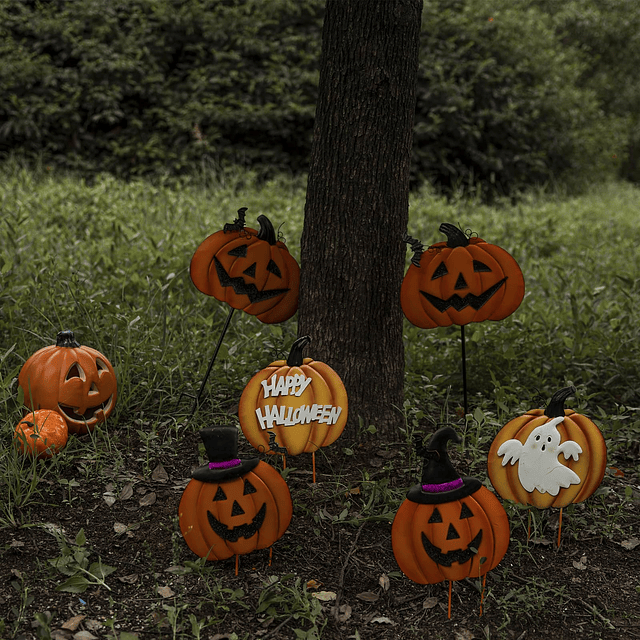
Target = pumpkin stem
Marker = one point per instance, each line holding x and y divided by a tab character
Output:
238	223
455	236
555	408
66	339
295	355
267	232
416	246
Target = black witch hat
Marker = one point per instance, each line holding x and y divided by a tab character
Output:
440	481
221	444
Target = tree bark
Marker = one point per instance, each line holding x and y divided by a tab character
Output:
352	254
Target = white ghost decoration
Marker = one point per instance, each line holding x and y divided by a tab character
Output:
539	467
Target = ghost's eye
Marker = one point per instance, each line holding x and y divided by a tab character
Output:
537	438
549	439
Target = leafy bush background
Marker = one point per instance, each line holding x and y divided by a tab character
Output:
166	87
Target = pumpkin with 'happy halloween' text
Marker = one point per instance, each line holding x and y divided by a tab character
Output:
460	281
76	381
301	400
41	433
548	458
448	527
249	270
230	506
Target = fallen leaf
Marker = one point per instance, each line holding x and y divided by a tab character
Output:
119	528
109	498
159	474
313	584
165	592
130	579
61	634
344	612
127	491
464	634
542	541
382	620
368	596
325	596
582	564
630	544
85	635
148	500
16	543
93	625
73	623
384	582
429	603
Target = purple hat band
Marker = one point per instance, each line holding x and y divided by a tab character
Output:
444	486
225	464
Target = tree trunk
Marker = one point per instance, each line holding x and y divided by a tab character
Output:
352	254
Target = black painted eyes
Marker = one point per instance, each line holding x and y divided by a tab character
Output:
441	269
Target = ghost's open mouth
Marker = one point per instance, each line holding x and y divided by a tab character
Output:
89	414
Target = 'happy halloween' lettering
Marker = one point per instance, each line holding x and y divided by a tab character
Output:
290	416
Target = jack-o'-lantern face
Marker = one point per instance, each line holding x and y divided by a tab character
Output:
235	516
460	281
249	270
450	541
76	381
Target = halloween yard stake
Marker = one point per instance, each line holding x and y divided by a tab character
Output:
459	281
76	381
232	506
448	527
548	458
249	270
302	400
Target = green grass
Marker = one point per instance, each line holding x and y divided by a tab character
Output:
110	261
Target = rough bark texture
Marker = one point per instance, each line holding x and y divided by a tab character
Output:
357	204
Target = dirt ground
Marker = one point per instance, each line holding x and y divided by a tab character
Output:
589	588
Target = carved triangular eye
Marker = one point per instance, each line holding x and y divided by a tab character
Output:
75	372
240	251
236	509
272	267
452	534
465	512
480	266
220	495
250	271
101	366
248	488
441	270
435	517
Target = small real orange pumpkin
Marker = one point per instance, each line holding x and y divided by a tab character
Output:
249	270
460	281
448	527
232	506
548	458
76	381
41	433
301	400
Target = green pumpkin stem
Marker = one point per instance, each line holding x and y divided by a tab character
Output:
455	236
295	355
416	246
66	339
555	408
267	232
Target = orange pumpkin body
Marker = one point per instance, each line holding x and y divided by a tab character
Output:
248	270
461	281
464	538
41	433
76	381
515	446
235	516
301	400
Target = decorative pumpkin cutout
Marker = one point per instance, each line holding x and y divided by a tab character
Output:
448	527
460	281
548	458
302	400
41	433
232	507
76	381
249	270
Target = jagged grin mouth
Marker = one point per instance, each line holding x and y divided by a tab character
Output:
90	413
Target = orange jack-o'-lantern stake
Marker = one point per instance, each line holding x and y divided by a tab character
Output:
448	528
232	506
